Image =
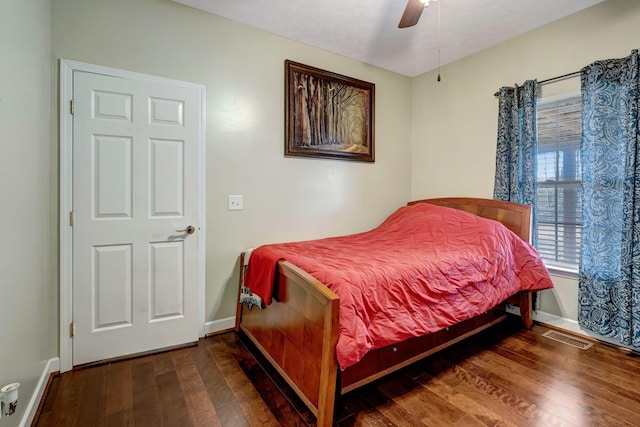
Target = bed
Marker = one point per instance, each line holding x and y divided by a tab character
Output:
298	331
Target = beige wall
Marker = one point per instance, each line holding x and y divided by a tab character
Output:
454	121
243	70
28	323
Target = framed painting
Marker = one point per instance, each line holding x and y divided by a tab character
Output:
328	115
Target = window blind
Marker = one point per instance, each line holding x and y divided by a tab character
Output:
559	204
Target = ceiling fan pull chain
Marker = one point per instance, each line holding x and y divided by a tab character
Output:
439	44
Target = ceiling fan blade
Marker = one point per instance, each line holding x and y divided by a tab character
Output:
411	13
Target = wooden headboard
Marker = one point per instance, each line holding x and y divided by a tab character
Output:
515	216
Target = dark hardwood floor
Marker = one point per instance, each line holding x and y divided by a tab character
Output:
504	376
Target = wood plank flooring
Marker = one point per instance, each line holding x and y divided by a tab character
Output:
504	376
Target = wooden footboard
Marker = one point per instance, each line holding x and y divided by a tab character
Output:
298	336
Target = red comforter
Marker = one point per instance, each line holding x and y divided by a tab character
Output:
424	268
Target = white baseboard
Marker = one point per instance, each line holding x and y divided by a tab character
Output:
572	326
568	325
53	365
559	322
219	325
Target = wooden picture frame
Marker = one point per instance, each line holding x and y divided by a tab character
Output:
328	115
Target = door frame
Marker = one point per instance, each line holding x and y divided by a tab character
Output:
66	69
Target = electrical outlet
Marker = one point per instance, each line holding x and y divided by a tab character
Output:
234	203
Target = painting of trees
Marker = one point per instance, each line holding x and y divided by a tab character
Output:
328	115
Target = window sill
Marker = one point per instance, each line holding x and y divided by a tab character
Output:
569	273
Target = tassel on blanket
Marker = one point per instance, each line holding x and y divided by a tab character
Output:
250	299
247	297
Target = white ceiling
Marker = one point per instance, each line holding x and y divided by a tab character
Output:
367	30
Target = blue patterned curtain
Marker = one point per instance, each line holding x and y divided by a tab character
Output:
516	151
609	283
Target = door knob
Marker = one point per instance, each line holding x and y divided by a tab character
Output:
189	230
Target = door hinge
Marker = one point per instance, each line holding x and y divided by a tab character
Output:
72	218
72	329
71	107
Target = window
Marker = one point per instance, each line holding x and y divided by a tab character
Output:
559	187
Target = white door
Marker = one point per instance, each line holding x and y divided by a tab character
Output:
135	185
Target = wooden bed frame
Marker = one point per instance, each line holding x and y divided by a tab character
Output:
298	335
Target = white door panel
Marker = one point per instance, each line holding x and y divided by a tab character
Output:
112	174
136	182
167	176
166	284
111	286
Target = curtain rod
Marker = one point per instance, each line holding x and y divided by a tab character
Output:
552	79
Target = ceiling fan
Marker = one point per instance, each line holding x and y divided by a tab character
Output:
412	12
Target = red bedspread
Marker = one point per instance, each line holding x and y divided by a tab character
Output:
424	268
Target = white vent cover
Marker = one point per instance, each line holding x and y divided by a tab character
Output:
568	339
